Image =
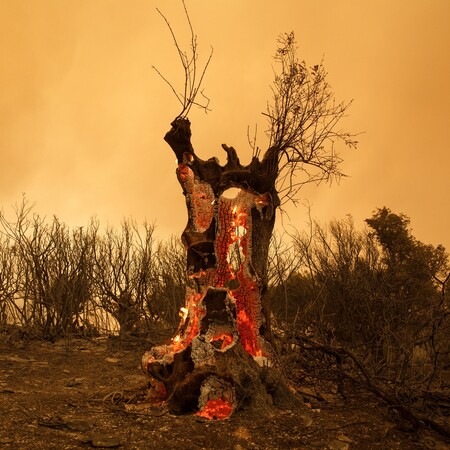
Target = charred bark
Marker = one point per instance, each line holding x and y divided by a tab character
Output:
221	357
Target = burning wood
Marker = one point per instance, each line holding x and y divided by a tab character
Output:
224	336
217	399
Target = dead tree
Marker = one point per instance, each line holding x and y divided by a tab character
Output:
221	357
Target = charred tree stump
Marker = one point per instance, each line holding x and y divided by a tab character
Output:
221	357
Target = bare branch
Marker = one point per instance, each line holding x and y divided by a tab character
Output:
192	83
303	117
169	83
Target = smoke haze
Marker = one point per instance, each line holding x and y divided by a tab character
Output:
82	114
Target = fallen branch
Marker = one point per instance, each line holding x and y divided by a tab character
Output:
369	382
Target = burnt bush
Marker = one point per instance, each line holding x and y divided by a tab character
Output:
374	300
56	282
46	274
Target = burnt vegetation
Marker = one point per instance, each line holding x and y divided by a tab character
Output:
236	314
227	238
351	308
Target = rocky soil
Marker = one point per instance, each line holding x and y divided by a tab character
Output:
90	393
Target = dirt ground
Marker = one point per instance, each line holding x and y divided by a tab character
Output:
85	393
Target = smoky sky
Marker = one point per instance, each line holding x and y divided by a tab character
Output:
83	114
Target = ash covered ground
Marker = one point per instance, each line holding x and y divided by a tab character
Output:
90	393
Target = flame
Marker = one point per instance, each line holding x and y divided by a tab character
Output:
188	332
217	409
234	209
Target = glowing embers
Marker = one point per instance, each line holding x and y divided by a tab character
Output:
237	239
235	256
248	330
191	316
199	198
217	398
218	329
162	356
217	409
222	341
238	223
234	263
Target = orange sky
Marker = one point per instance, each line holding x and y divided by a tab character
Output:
83	115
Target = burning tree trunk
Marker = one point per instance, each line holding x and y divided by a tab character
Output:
221	356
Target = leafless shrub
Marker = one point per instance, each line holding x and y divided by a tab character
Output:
55	282
52	268
381	317
283	268
124	273
168	292
10	276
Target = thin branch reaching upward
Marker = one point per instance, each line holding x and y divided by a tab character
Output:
192	82
303	116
